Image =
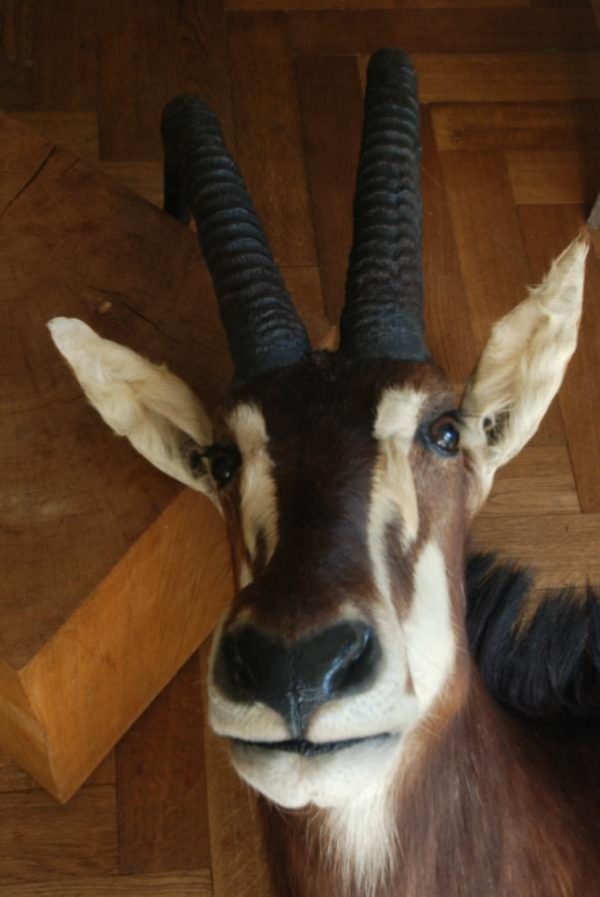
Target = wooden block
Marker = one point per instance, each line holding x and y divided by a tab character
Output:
41	841
65	49
505	77
182	884
13	778
75	131
538	481
556	178
490	250
144	178
238	852
331	110
447	314
101	559
562	549
163	824
547	230
441	30
268	123
177	48
518	126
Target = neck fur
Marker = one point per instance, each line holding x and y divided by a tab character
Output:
474	809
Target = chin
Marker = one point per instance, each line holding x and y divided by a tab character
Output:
295	774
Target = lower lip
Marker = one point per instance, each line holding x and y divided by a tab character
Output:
310	748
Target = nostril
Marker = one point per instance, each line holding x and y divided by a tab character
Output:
356	662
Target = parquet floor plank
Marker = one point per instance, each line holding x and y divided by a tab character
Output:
181	884
545	231
237	849
505	77
562	548
418	31
65	69
161	784
518	126
447	314
553	178
175	48
16	84
42	841
267	120
324	6
330	100
538	481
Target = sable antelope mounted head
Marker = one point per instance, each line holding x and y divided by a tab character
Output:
347	478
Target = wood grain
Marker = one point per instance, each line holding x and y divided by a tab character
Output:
518	126
505	77
163	824
16	86
331	112
562	549
74	131
238	852
45	841
538	481
334	33
182	884
447	315
268	121
66	70
325	5
546	231
178	47
553	178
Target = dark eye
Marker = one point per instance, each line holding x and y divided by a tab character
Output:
224	460
444	434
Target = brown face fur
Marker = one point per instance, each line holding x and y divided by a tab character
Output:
320	419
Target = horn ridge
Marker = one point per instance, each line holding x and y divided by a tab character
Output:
383	315
263	329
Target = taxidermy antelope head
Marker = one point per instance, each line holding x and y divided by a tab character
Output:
347	478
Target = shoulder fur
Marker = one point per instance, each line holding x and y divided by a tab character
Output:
539	654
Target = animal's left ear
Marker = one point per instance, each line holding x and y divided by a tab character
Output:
520	371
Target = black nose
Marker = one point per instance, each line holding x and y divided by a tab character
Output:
296	677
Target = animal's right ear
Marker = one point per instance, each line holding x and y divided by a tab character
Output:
154	409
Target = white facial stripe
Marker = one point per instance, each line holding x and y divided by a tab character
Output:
393	495
258	495
428	629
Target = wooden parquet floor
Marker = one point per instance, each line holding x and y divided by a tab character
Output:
511	164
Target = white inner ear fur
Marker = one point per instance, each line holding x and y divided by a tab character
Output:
143	401
521	369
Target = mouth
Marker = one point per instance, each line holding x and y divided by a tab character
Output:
311	748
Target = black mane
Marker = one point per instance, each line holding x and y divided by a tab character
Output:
544	664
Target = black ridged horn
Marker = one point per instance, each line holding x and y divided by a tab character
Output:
263	329
383	316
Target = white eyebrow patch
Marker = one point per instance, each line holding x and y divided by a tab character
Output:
258	493
398	415
393	495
